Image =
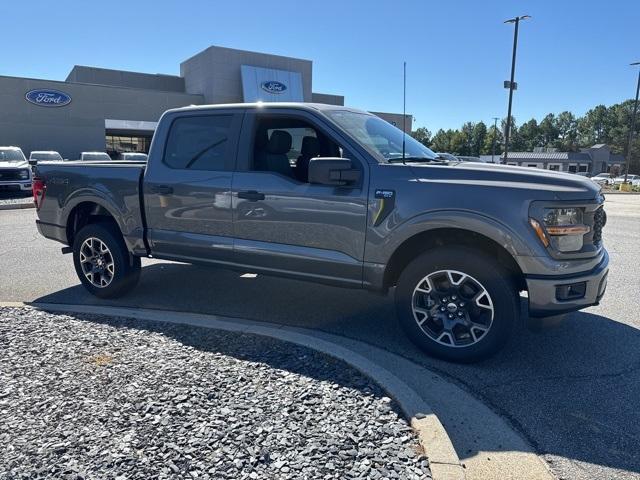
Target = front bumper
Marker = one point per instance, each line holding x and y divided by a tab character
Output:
546	292
16	185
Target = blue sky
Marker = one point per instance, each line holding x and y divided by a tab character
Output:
572	54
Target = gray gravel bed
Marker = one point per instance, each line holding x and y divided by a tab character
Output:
92	397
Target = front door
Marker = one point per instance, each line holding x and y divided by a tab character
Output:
286	225
188	190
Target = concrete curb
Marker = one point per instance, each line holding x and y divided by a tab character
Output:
443	459
16	206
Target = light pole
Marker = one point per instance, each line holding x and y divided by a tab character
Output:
511	85
633	125
495	134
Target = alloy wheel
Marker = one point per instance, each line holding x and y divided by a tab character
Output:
452	308
97	262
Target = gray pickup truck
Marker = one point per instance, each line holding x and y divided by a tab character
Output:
335	195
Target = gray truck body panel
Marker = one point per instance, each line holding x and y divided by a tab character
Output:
339	235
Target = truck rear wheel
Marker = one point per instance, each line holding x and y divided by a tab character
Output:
457	304
102	261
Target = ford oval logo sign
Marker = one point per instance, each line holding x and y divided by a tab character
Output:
48	98
273	86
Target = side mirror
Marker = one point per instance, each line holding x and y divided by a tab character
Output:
332	171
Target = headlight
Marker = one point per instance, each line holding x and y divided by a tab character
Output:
562	216
23	174
565	228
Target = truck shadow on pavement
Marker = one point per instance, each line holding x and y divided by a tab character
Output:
572	391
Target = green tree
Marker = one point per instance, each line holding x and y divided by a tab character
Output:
594	126
441	141
487	148
478	137
423	135
459	143
567	127
548	130
530	133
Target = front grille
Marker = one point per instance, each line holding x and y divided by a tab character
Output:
599	221
10	174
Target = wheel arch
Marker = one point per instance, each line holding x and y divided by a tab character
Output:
86	212
420	242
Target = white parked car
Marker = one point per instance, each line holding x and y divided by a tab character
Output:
448	156
133	156
100	156
15	173
603	179
44	156
632	179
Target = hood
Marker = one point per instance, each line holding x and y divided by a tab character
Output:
14	164
549	184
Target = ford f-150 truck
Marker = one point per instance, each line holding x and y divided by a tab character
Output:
336	195
15	172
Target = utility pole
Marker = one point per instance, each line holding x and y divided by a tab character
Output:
511	85
495	134
633	126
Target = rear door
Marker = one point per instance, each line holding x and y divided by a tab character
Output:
286	225
187	185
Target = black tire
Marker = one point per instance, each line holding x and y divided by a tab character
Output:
126	267
496	282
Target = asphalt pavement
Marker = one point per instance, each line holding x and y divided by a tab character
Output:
572	391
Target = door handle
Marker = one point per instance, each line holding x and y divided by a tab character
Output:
251	195
162	189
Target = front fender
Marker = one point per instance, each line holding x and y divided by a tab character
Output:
384	240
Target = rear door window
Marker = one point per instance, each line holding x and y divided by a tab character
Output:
203	142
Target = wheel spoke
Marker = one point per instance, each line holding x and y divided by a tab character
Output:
422	311
475	329
483	300
461	277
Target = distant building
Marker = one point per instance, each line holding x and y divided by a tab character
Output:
117	111
593	160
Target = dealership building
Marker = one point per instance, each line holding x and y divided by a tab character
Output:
97	109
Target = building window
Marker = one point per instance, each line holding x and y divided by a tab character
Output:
117	144
573	168
583	168
554	166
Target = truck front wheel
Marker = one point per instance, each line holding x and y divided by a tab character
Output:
102	261
457	304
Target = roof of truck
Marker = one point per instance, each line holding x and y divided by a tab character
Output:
259	105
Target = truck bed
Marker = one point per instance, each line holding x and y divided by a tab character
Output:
114	186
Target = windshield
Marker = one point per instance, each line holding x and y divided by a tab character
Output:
11	155
380	138
95	156
45	156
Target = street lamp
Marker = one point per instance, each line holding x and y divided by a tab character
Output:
511	85
633	125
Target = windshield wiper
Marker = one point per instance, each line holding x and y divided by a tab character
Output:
416	159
